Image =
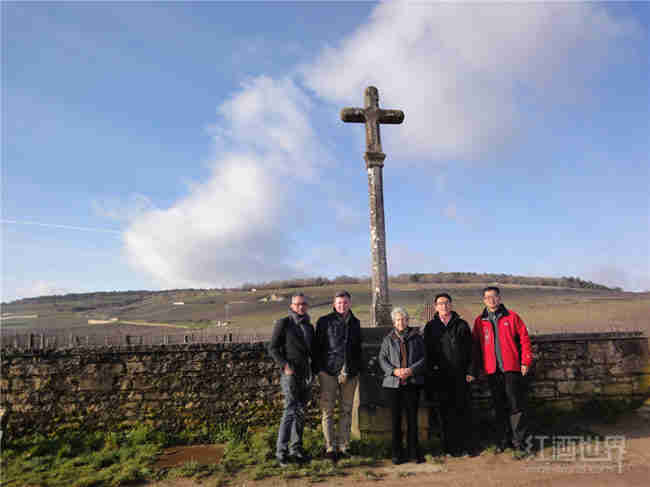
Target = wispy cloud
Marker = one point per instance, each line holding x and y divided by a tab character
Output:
123	211
65	227
461	71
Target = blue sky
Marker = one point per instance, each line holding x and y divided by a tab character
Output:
164	145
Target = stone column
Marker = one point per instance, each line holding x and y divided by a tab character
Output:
381	307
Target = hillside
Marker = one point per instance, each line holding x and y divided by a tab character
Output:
545	308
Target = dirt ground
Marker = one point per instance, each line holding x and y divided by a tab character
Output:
567	468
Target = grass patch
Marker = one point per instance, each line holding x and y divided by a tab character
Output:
101	459
80	459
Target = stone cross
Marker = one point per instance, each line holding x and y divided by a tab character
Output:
372	116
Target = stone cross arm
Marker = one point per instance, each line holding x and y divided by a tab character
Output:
358	115
372	116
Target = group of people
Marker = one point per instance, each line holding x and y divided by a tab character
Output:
443	359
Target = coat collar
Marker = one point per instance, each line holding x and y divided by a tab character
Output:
297	319
501	311
410	331
454	317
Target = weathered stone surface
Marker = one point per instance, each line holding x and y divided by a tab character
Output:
135	367
372	116
597	352
594	371
556	374
619	388
578	387
566	387
545	389
562	404
240	383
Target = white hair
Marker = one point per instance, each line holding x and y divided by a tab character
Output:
398	311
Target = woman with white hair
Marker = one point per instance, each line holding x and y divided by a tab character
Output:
402	358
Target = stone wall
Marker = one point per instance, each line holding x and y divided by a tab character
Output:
187	386
175	387
568	371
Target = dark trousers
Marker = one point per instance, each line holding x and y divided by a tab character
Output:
404	399
454	413
296	395
509	397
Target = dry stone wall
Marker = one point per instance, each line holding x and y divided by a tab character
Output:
177	387
174	387
568	371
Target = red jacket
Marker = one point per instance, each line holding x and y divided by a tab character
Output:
513	340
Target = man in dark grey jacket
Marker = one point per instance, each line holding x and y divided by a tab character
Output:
337	357
292	349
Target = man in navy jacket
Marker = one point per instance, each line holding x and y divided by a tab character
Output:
337	357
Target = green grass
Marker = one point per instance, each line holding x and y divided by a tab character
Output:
81	459
102	459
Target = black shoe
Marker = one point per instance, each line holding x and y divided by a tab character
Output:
397	461
331	455
520	453
283	461
503	446
343	455
299	457
419	459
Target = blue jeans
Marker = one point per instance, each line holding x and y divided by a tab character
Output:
296	395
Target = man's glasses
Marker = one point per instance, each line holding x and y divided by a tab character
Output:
303	303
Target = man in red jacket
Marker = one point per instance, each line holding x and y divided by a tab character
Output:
504	354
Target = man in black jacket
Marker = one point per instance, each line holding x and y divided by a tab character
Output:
337	359
292	349
448	340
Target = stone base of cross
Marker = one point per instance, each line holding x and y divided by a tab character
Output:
381	314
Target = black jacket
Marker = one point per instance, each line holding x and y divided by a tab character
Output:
353	359
289	347
450	347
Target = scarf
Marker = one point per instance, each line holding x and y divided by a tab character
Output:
403	353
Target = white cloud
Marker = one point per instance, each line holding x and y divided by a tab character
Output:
235	226
460	71
270	118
